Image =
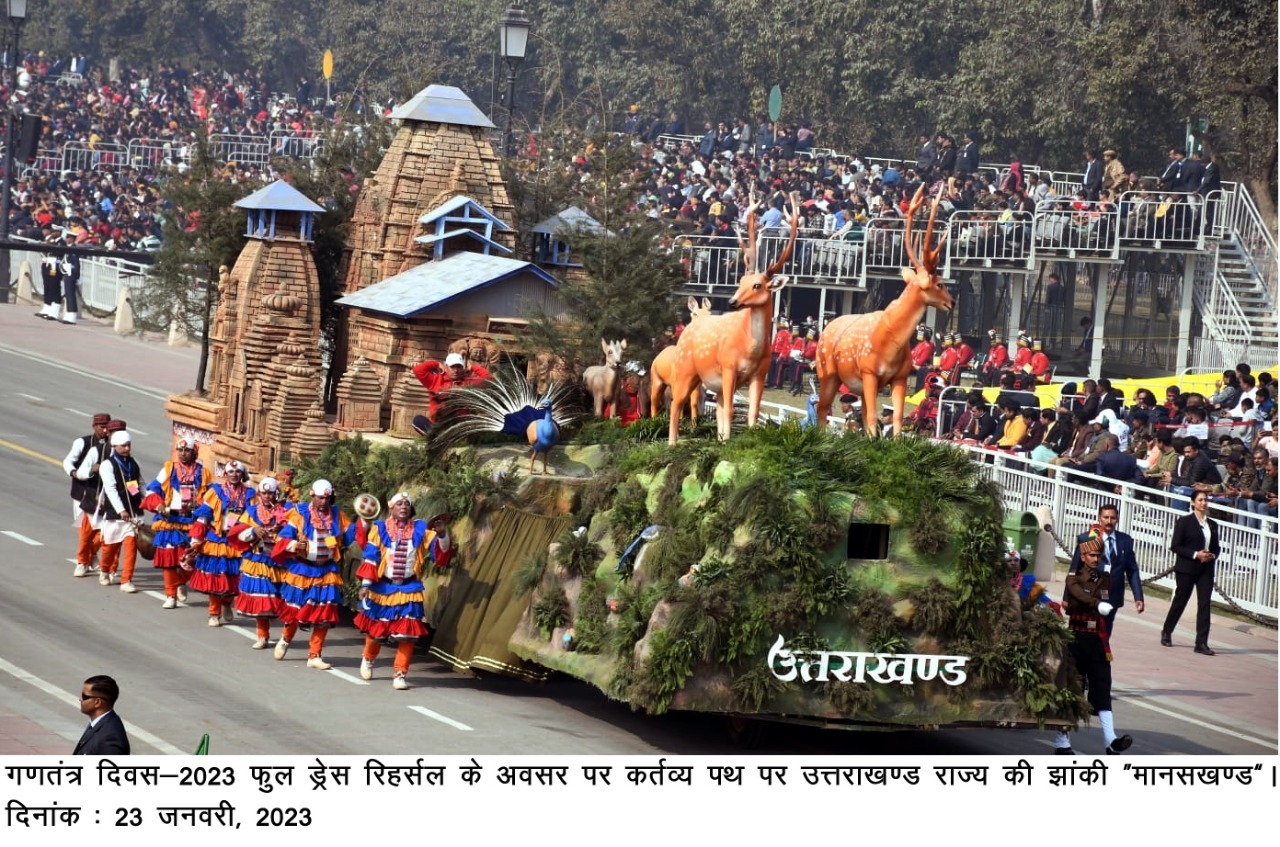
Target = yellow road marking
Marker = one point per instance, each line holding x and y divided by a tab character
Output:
18	448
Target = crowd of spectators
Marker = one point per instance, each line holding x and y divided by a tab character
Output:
106	198
702	183
1224	444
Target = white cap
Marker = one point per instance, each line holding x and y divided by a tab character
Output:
268	484
120	437
186	444
396	498
454	359
1104	418
233	465
322	488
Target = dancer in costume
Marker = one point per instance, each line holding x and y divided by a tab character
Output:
399	553
174	495
216	561
1087	610
311	545
260	575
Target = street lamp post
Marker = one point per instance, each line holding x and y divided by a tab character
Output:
513	32
17	17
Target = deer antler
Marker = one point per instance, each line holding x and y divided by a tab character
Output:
929	263
748	247
791	242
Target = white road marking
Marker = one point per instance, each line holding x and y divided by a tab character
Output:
17	536
1131	699
72	701
436	716
135	431
354	680
54	363
30	397
75	411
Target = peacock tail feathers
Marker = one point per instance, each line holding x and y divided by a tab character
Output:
506	403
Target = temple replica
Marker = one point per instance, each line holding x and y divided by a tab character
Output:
430	262
265	398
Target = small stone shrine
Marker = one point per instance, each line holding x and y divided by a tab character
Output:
265	368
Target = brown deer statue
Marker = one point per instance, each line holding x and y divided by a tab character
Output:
867	351
721	351
602	381
660	372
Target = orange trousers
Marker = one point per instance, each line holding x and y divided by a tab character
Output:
404	652
90	542
317	638
111	556
173	577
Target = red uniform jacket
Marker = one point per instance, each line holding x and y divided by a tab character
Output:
922	354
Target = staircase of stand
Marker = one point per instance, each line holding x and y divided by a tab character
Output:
1236	293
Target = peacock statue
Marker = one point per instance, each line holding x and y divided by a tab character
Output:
508	403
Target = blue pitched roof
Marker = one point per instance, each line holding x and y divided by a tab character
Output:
280	196
567	221
433	284
442	104
467	206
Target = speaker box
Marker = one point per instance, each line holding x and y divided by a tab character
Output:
28	138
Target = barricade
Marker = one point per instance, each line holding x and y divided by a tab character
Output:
710	261
146	154
102	156
1165	221
241	149
286	143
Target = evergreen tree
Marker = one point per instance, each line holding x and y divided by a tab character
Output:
202	232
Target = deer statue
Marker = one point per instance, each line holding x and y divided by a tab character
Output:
660	372
719	351
869	350
602	381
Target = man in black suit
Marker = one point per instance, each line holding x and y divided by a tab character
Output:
1108	397
1118	560
1171	179
1115	464
926	156
105	735
1196	548
967	159
1092	181
1193	172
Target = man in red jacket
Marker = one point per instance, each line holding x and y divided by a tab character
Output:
997	359
439	381
964	356
922	354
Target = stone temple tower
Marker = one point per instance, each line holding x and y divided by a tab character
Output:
265	362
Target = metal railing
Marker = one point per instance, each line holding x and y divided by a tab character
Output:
990	240
146	154
101	279
1246	571
1164	221
100	156
243	149
1074	229
285	142
1256	239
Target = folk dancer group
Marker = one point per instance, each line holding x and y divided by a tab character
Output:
252	550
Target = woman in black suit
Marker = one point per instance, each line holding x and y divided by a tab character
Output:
1195	543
